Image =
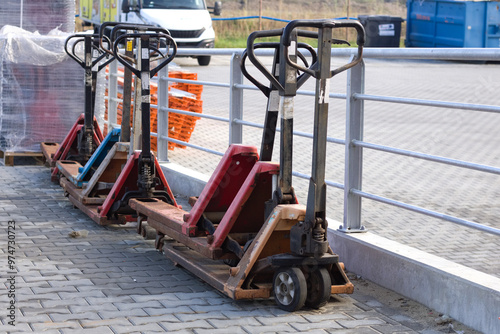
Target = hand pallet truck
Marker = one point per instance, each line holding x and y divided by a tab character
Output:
85	134
247	212
138	175
77	176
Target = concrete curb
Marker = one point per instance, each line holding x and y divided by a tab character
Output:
465	294
184	181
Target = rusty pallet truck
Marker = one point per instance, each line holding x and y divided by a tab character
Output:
240	214
141	175
85	134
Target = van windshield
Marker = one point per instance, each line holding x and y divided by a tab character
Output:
174	4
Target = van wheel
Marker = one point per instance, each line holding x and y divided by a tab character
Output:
204	60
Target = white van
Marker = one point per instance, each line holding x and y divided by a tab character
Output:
188	21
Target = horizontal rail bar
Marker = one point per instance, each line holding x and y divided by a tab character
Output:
482	54
180	142
195	114
429	103
197	82
330	183
429	157
297	133
426	212
299	92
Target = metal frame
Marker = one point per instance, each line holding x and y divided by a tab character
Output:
355	98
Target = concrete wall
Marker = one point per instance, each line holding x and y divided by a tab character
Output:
465	294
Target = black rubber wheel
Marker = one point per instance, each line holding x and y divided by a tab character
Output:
319	287
290	289
204	60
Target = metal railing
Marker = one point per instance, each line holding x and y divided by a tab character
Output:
353	142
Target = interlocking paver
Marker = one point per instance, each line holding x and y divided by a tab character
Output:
359	330
42	327
100	330
226	323
282	319
363	322
326	325
281	328
156	319
168	310
105	322
18	328
146	328
228	330
186	317
132	312
173	326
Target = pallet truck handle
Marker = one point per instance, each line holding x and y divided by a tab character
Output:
161	34
250	54
136	28
107	62
112	35
325	24
264	89
275	45
102	35
72	53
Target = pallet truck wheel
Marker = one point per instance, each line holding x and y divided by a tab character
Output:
319	287
148	232
290	289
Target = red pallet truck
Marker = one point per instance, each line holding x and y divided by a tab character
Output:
139	175
85	134
248	214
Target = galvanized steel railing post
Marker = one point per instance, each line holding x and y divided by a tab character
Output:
353	154
162	127
235	101
112	94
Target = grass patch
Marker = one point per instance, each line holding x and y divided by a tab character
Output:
233	34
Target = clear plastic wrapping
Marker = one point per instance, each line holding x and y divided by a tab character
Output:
41	89
38	15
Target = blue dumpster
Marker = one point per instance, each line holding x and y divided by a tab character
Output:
450	23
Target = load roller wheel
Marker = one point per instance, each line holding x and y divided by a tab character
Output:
148	232
319	287
290	289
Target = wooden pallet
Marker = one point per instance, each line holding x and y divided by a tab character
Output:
8	157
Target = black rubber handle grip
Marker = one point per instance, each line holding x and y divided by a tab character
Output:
127	62
251	46
81	38
102	30
321	24
269	45
251	54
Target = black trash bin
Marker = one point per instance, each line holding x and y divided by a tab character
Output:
381	31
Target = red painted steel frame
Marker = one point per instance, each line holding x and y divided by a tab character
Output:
223	185
246	213
70	142
127	181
